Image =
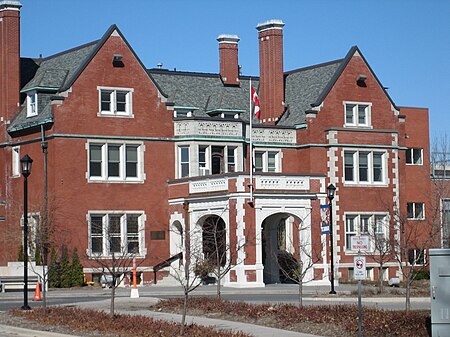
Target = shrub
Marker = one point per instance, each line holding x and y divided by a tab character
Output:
420	275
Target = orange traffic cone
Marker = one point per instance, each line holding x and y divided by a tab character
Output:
37	293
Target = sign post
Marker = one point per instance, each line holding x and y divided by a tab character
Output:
359	243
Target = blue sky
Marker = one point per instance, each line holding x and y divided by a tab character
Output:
407	43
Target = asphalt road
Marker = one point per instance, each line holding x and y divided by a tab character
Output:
270	294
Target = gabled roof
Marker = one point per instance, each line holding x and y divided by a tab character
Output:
338	73
57	73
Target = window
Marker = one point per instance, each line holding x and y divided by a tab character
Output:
183	159
115	102
203	160
16	161
32	104
364	167
414	156
415	210
267	161
116	233
373	225
231	159
416	256
115	162
357	114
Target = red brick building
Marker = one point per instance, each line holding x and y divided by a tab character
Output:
147	155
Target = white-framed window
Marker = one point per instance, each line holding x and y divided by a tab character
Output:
357	114
231	158
414	156
375	226
416	256
216	159
119	233
183	161
267	161
32	104
112	161
366	167
415	210
115	101
15	161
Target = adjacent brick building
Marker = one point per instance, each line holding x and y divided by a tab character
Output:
131	159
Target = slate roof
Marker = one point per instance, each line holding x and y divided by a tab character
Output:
204	93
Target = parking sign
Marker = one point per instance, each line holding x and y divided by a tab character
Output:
359	268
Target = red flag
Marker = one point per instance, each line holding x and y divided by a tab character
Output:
255	100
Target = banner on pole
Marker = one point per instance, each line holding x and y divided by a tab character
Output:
325	218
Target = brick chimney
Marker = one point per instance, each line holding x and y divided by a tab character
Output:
228	54
9	59
271	83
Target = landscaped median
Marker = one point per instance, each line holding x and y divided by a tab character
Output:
322	320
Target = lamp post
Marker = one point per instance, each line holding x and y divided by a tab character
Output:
25	163
330	193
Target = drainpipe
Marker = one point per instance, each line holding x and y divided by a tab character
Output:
44	145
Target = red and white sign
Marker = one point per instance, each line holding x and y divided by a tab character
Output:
359	243
359	268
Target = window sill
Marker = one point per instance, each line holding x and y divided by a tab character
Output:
117	181
364	184
108	114
118	256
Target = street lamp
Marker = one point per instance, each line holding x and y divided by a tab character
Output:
25	163
330	193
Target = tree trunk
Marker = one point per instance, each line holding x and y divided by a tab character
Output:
408	295
300	293
218	285
183	314
113	295
380	279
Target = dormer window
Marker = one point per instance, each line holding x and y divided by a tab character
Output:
115	102
357	114
32	104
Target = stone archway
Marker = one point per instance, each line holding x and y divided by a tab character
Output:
278	239
214	242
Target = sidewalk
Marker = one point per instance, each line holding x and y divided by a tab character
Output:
137	306
12	331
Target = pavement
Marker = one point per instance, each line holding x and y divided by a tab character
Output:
139	306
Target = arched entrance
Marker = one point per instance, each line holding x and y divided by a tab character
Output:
280	237
214	240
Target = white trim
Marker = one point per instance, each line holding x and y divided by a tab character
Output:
15	162
113	102
122	162
370	167
123	231
32	106
355	123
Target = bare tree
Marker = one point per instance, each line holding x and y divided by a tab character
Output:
440	175
381	250
220	256
414	238
110	254
296	265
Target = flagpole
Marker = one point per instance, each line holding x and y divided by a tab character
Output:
251	140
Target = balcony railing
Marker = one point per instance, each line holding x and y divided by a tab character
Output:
208	185
282	183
